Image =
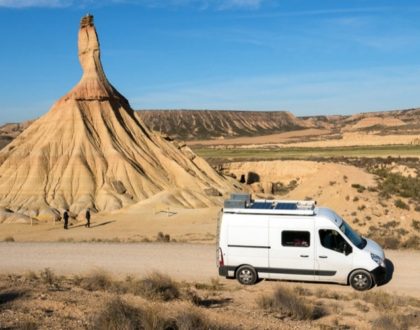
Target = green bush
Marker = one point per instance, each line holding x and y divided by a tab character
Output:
397	184
400	204
358	187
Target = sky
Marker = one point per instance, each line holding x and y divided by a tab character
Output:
304	56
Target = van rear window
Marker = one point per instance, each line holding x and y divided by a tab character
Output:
295	238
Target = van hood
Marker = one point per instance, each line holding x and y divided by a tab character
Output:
375	248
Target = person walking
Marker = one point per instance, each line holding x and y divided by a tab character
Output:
87	218
66	219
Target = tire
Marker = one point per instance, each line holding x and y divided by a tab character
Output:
246	275
361	280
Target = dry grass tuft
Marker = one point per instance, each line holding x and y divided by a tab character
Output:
361	307
27	325
97	280
214	285
386	301
392	321
119	315
156	286
161	237
9	239
193	318
47	276
31	276
285	301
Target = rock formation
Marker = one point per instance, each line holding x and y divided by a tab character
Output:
90	150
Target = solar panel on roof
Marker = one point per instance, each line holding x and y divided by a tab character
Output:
261	206
286	206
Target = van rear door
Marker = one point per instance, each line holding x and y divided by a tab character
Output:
291	254
247	241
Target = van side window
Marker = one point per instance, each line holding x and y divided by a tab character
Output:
331	239
295	238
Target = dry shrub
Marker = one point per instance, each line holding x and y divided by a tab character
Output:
193	318
97	280
301	291
119	315
382	300
361	307
385	322
413	242
9	239
161	237
214	285
27	325
329	294
401	204
416	224
31	276
48	277
156	286
285	301
392	321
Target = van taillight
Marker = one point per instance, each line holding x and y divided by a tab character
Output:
220	261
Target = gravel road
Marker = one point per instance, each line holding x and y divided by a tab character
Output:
191	262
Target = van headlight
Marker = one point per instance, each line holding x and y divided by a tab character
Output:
378	259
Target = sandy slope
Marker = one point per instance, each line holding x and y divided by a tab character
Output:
182	261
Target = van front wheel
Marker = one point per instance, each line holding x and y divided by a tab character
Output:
361	280
246	275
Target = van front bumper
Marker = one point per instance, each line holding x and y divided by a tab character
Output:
379	275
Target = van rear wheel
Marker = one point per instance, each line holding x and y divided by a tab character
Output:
246	275
361	280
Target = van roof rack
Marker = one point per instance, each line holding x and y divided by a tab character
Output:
244	204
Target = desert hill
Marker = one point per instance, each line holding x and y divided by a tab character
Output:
9	132
216	124
91	151
387	121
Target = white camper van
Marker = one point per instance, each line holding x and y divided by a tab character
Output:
293	240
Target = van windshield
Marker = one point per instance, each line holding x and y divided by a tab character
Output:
354	237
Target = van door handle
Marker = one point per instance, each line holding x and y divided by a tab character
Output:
304	255
323	257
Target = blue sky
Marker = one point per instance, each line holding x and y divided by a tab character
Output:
308	57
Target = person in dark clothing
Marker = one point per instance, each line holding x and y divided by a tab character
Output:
66	219
87	218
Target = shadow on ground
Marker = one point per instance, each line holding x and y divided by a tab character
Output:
8	296
214	303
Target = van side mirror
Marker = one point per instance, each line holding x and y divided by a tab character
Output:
347	249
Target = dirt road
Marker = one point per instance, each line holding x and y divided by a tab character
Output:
191	262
